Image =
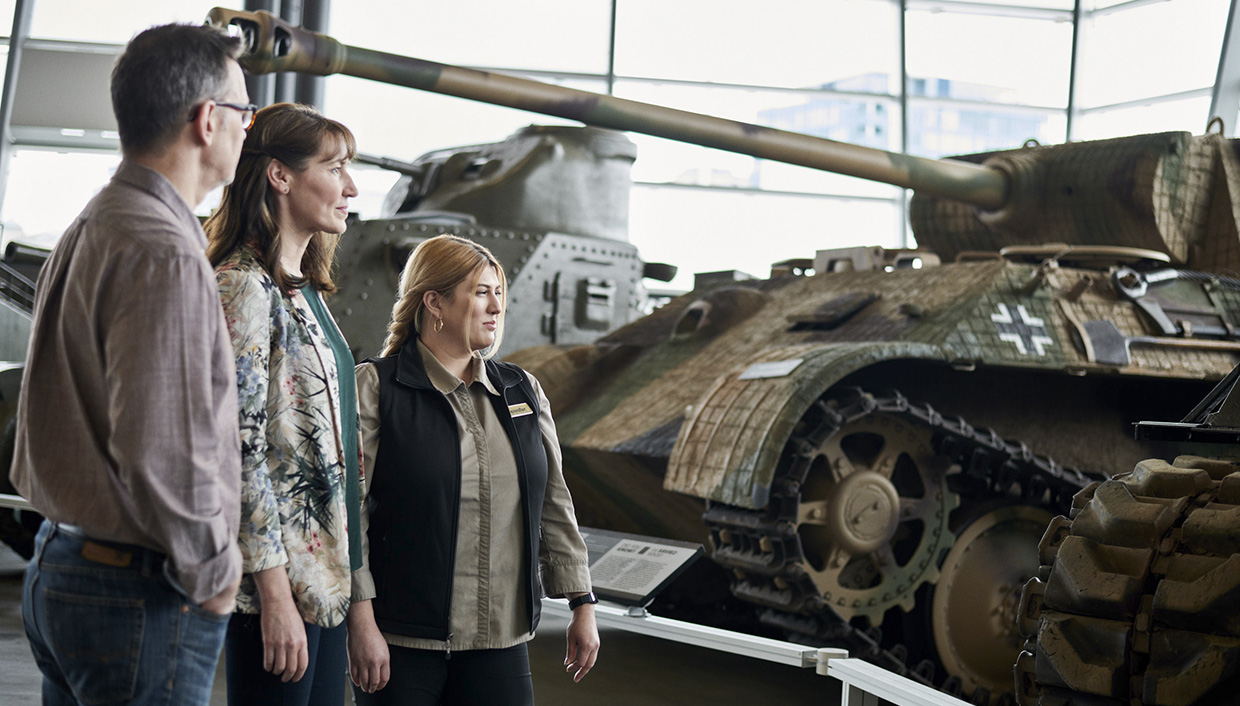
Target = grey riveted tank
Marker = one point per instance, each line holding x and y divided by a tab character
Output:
551	203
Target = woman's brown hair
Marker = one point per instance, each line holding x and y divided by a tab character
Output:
294	134
439	265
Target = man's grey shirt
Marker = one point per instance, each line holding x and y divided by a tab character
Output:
127	422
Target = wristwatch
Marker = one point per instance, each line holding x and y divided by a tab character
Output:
583	599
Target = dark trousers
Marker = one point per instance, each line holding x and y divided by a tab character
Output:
248	683
468	678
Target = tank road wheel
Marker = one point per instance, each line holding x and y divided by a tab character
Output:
1136	601
974	608
872	518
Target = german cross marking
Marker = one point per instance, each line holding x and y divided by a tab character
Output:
1023	331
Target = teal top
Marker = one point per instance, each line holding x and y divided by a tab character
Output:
348	419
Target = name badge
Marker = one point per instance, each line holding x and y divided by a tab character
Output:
519	410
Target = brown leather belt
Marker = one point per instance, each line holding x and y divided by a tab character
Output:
115	554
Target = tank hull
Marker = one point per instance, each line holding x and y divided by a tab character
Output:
825	427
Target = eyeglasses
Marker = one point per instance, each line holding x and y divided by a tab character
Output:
248	111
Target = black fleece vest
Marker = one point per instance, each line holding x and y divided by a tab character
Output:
414	501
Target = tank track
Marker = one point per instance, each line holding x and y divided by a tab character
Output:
1135	602
762	549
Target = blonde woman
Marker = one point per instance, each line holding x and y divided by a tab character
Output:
467	504
271	242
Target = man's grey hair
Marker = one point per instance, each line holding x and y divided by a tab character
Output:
163	75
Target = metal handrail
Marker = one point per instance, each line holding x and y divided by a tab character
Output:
15	502
862	681
16	289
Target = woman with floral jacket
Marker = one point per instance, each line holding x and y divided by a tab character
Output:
271	242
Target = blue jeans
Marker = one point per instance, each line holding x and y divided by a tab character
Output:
107	626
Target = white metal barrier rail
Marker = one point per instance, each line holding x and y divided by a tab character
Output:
15	502
864	684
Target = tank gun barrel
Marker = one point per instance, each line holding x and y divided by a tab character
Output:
393	165
274	45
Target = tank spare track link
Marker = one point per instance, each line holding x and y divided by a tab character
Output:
1135	602
763	550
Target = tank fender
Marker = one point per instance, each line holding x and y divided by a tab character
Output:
732	438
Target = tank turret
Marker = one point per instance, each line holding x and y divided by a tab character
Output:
552	203
1172	193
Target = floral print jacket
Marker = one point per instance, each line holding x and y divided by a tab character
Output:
292	472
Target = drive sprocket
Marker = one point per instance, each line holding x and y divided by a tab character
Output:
862	513
858	520
873	513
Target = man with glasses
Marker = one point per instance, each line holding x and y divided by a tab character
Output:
248	111
127	438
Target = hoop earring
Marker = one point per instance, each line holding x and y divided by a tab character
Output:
438	325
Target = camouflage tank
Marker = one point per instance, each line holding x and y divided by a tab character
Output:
823	433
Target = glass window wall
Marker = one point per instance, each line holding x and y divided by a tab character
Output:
403	123
707	230
534	35
981	76
42	200
1185	114
110	22
989	58
1144	50
783	43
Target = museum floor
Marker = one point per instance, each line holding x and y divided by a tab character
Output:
633	669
